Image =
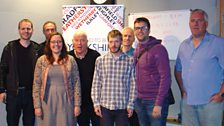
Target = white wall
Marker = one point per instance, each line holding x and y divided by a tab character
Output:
39	11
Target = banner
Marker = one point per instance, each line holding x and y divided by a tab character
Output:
172	27
95	20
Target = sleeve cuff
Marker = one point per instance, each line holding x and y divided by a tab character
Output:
2	90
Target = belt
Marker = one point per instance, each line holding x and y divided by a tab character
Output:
21	88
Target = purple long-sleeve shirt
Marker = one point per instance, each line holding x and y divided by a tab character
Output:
153	76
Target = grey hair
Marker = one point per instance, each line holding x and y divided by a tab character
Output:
200	11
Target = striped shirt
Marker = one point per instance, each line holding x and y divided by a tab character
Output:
114	83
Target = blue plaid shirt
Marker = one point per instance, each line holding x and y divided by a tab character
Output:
114	83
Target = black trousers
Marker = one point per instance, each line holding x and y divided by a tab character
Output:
17	104
111	117
133	120
87	115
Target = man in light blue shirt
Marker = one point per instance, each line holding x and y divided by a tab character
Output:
199	72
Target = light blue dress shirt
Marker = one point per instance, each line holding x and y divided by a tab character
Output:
202	68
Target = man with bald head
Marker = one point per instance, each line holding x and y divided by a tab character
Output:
128	39
85	58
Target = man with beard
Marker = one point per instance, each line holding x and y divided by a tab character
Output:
152	74
113	88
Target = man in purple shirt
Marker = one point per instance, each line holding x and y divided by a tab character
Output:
199	72
152	74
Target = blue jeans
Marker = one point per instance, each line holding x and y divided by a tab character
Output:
144	110
109	117
164	111
202	115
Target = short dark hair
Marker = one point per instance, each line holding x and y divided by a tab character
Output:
48	51
25	20
142	19
50	22
114	33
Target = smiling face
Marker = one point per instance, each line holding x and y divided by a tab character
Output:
128	37
25	30
48	28
198	24
141	31
56	44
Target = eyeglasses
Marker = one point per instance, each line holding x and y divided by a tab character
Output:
56	42
141	28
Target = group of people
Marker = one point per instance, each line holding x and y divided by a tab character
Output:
126	86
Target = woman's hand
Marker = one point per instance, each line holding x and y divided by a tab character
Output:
77	111
38	112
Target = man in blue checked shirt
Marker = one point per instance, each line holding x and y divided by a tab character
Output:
113	88
199	72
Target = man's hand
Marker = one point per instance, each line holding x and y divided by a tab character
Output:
156	111
98	111
183	95
130	112
77	111
216	98
3	97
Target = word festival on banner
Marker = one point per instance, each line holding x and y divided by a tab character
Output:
95	20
